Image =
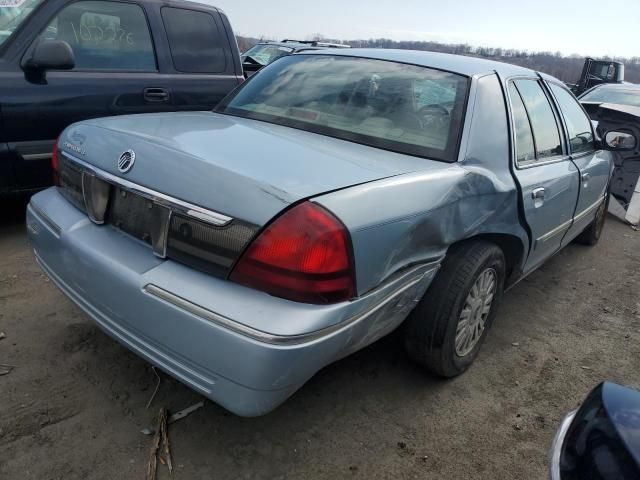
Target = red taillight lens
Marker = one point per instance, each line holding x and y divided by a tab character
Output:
304	256
54	164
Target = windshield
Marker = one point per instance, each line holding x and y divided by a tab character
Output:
610	95
398	107
12	14
265	54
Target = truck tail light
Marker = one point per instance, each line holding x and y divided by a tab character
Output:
55	167
305	255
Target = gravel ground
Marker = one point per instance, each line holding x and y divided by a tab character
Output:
74	405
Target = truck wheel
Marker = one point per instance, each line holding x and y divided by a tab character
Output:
592	233
446	330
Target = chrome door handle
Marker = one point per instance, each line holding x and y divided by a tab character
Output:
538	194
585	178
538	197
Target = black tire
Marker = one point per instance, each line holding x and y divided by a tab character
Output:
592	233
430	330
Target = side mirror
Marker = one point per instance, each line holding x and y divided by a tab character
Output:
51	55
620	141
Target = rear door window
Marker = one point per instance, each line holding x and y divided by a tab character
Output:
105	35
196	43
578	123
546	134
525	149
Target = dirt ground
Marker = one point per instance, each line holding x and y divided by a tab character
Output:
74	405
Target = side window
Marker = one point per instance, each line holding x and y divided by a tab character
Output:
105	35
196	44
578	124
545	129
525	151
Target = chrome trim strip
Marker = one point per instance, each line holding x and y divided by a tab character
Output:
180	206
45	219
556	231
36	156
164	242
588	210
541	163
569	223
556	446
285	340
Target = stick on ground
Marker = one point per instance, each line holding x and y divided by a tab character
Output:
153	454
157	386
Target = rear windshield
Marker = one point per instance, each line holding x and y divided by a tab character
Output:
610	95
265	54
12	14
389	105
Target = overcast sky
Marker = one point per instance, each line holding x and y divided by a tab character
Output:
586	27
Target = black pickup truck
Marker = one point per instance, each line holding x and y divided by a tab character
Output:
62	61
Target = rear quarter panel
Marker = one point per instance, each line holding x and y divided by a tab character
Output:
415	218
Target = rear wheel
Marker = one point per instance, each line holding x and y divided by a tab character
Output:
592	233
446	330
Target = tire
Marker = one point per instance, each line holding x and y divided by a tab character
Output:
592	233
430	331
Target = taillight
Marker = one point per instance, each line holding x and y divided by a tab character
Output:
304	255
54	164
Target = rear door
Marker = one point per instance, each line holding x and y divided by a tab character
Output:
594	165
200	56
547	177
115	72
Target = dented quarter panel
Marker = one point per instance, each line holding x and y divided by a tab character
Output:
416	217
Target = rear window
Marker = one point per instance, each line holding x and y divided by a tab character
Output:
265	54
610	95
403	108
195	41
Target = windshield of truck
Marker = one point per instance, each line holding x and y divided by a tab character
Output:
389	105
613	95
12	14
265	54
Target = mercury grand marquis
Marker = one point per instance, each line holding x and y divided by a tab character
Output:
332	198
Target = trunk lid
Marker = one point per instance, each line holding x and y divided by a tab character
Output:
241	168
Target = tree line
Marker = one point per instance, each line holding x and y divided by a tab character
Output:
566	68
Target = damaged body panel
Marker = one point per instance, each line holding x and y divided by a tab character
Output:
243	250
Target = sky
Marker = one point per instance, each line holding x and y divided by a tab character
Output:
586	27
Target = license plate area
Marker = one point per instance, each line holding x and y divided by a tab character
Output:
139	217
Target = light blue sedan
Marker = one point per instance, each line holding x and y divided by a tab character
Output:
332	198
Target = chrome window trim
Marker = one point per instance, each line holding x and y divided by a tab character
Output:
415	275
180	206
540	163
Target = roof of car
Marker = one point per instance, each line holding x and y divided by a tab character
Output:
302	44
443	61
618	86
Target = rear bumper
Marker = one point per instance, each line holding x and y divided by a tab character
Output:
243	349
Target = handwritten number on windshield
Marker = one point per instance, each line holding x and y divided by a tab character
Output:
94	34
